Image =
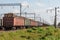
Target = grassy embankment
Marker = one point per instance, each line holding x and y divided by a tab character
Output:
40	33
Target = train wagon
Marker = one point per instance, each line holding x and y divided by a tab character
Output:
1	23
34	23
27	23
8	20
12	21
40	24
21	22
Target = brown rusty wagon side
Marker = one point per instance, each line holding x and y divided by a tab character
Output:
34	23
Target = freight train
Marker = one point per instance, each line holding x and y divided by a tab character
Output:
12	21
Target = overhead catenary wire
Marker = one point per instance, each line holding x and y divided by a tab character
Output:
13	4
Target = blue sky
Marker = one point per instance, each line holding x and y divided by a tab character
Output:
35	6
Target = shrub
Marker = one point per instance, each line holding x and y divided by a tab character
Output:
28	37
34	28
47	34
29	30
23	36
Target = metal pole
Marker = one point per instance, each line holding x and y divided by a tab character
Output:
34	16
43	21
40	19
55	20
20	9
13	4
26	14
10	4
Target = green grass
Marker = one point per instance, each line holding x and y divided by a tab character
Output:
39	33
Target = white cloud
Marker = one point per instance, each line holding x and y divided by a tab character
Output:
36	11
40	10
25	4
15	11
40	4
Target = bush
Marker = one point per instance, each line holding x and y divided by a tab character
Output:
28	37
41	31
34	28
23	36
29	30
47	34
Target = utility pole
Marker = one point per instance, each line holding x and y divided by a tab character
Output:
55	20
26	14
20	9
34	16
43	21
40	19
55	17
